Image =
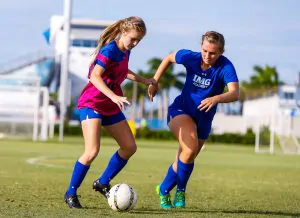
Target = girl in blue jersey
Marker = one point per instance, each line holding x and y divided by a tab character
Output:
191	114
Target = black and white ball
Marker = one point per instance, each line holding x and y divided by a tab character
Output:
122	197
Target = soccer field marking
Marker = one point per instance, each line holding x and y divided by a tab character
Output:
35	160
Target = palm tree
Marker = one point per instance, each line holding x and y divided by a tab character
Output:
264	82
136	91
168	81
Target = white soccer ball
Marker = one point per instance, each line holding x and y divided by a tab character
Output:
122	197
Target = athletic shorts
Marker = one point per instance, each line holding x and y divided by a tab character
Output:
203	126
89	113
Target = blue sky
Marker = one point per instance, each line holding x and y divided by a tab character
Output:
256	32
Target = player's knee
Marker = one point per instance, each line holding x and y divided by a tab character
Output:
132	149
189	154
90	155
129	150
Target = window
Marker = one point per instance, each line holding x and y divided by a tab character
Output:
87	43
288	95
76	43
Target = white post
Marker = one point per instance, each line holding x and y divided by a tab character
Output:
64	66
272	131
133	101
257	135
52	117
45	119
36	113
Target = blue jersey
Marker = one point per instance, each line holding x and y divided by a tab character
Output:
201	84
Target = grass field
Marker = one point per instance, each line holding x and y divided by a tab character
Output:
228	181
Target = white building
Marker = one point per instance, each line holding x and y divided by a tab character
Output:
84	35
283	108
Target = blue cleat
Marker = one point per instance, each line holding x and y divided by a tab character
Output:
165	200
179	199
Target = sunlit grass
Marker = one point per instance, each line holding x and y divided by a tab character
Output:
228	181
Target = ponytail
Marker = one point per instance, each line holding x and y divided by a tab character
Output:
111	32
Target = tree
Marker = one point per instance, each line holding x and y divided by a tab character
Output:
141	91
265	81
168	80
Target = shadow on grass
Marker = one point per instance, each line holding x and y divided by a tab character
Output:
191	210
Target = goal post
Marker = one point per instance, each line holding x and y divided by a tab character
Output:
277	131
264	136
23	108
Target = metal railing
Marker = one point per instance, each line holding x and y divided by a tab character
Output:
24	61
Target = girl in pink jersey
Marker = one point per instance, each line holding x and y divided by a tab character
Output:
101	103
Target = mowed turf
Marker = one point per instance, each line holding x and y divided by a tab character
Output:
228	181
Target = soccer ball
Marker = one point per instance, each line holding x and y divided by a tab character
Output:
122	197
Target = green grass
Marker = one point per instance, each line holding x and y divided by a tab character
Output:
228	181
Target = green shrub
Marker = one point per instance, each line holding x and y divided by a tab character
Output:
146	133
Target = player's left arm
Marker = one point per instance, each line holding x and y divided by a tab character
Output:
230	96
135	77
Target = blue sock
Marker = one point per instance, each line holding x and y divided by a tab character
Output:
114	166
78	175
184	172
169	182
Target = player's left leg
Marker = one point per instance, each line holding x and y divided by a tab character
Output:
121	132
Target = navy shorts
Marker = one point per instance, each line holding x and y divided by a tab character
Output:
203	127
89	113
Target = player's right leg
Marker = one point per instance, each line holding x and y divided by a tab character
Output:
184	129
91	124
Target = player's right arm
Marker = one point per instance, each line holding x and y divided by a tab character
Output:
97	81
166	62
169	59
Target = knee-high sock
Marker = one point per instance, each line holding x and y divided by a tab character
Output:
169	182
184	172
78	175
114	166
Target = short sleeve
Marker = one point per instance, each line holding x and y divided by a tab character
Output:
229	74
182	56
104	57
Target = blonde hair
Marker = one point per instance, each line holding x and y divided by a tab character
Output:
215	38
111	32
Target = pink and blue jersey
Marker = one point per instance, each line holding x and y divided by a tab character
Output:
115	63
201	84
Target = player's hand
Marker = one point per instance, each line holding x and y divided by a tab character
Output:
152	90
120	101
150	81
208	103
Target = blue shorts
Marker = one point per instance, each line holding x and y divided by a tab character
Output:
203	127
89	113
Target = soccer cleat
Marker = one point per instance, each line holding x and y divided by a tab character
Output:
179	199
103	189
72	201
165	200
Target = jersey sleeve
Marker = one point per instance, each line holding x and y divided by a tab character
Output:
229	74
182	56
104	58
